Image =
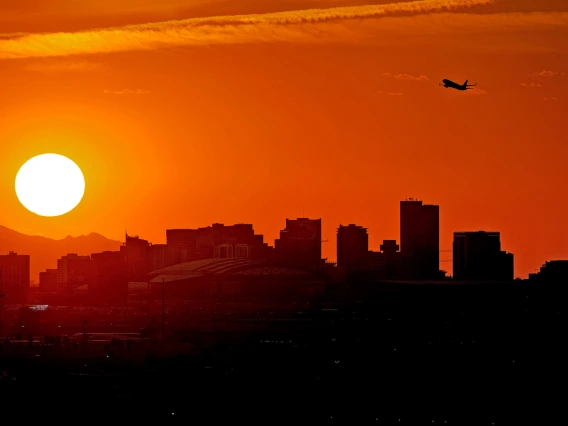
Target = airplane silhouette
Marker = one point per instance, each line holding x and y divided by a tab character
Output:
453	85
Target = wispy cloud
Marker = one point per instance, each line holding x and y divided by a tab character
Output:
63	65
127	92
550	98
530	85
476	91
380	92
281	26
546	73
421	77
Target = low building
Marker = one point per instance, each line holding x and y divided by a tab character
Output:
389	263
554	271
236	279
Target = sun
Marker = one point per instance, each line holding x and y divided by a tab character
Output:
50	185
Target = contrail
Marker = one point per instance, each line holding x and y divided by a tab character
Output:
280	26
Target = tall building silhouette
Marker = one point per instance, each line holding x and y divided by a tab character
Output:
420	237
136	251
218	240
73	271
389	263
352	247
14	276
478	256
48	281
300	243
110	277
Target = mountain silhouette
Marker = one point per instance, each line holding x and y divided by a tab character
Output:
44	252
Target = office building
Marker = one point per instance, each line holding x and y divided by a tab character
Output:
73	271
213	242
352	247
14	277
137	253
110	278
478	256
389	263
299	244
48	281
420	237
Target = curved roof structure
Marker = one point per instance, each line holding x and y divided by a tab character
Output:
207	266
230	266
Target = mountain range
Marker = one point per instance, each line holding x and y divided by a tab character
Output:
44	252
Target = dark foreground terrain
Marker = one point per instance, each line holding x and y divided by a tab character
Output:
418	356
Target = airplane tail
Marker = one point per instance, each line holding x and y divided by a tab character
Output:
465	84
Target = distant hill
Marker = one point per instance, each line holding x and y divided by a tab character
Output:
44	252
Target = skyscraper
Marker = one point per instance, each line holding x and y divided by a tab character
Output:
352	246
420	237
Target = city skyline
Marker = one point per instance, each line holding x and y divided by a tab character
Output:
262	120
445	261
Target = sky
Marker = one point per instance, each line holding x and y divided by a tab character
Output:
186	113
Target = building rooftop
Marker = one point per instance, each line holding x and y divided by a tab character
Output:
231	266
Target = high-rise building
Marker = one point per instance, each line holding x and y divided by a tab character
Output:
300	243
14	276
73	271
420	237
352	247
110	278
136	251
48	281
478	256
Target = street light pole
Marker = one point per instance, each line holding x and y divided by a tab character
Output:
1	308
163	312
85	336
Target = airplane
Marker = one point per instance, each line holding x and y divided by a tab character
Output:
450	83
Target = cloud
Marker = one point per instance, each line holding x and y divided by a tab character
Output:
280	26
406	77
127	92
390	93
546	73
551	98
530	85
476	91
63	65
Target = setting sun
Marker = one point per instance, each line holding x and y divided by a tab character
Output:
50	185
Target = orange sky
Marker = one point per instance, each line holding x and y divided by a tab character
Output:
251	118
